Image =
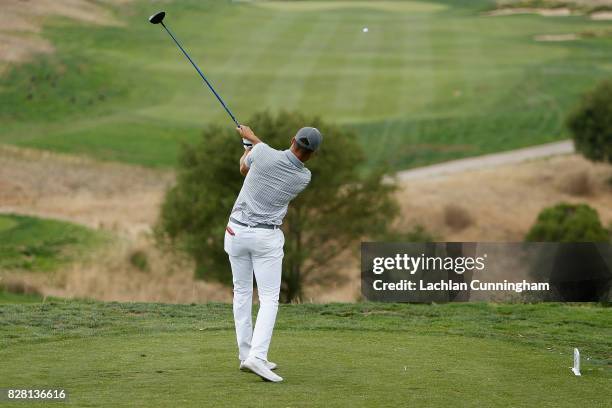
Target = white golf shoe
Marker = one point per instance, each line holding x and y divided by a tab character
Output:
258	366
269	364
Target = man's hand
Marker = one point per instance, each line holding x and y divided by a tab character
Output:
247	134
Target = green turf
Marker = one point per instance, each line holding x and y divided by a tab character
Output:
431	81
9	297
35	244
149	355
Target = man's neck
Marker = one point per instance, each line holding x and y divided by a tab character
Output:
300	155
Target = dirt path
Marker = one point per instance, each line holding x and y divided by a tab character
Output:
488	161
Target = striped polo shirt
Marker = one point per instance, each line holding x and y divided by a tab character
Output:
275	178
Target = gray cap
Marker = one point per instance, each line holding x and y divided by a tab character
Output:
309	138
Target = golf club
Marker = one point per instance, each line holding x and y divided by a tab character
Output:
158	18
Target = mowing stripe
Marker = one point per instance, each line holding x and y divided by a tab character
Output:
416	84
268	28
381	104
236	68
357	67
461	54
384	72
322	74
417	90
290	80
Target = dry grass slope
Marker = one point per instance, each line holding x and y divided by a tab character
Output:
498	204
505	201
118	198
124	200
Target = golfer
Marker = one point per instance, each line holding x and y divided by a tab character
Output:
254	240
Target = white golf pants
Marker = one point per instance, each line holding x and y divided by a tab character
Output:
259	251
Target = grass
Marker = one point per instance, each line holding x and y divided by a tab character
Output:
129	355
9	297
431	81
35	244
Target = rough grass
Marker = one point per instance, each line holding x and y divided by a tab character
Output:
7	297
34	244
113	354
431	81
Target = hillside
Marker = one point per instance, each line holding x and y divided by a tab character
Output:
92	122
429	82
492	204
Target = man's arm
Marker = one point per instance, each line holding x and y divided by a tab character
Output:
244	169
249	135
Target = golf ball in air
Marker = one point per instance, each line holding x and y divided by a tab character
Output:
365	29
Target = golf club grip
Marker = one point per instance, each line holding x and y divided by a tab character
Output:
229	112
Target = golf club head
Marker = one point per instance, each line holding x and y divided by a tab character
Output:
157	17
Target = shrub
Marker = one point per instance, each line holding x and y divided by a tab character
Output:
578	184
457	217
575	268
417	233
139	259
568	223
591	124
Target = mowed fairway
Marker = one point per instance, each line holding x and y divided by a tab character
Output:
150	355
430	81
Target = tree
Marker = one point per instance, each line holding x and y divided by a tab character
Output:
591	124
568	223
338	208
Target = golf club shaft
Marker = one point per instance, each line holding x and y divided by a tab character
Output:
229	112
